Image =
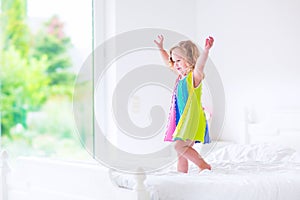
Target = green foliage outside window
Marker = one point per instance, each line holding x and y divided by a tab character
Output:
36	84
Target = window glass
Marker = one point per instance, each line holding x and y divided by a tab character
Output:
44	43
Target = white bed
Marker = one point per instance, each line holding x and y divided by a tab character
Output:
244	172
255	170
267	166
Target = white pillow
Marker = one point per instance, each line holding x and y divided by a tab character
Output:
253	152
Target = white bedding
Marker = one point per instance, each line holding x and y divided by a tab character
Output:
238	172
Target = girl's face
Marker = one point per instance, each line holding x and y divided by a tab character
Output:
179	64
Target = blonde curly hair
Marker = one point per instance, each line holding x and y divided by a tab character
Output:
187	50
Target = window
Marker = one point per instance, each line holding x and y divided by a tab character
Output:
44	43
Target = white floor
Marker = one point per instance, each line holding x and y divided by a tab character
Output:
36	179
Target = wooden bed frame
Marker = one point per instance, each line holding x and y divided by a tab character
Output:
43	178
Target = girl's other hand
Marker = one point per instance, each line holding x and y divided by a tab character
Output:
160	42
209	42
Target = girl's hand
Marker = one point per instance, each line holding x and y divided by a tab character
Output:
209	42
160	42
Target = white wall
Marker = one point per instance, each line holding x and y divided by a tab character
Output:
116	17
175	15
256	52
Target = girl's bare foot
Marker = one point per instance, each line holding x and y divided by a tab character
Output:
204	165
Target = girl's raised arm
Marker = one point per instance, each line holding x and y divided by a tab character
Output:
163	52
199	67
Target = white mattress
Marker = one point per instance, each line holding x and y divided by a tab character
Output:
238	172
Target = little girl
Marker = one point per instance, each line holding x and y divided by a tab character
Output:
187	123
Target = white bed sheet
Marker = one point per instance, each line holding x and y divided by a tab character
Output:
238	172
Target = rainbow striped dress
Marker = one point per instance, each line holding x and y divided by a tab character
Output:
187	119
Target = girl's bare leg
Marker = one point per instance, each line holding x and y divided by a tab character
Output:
182	164
185	149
